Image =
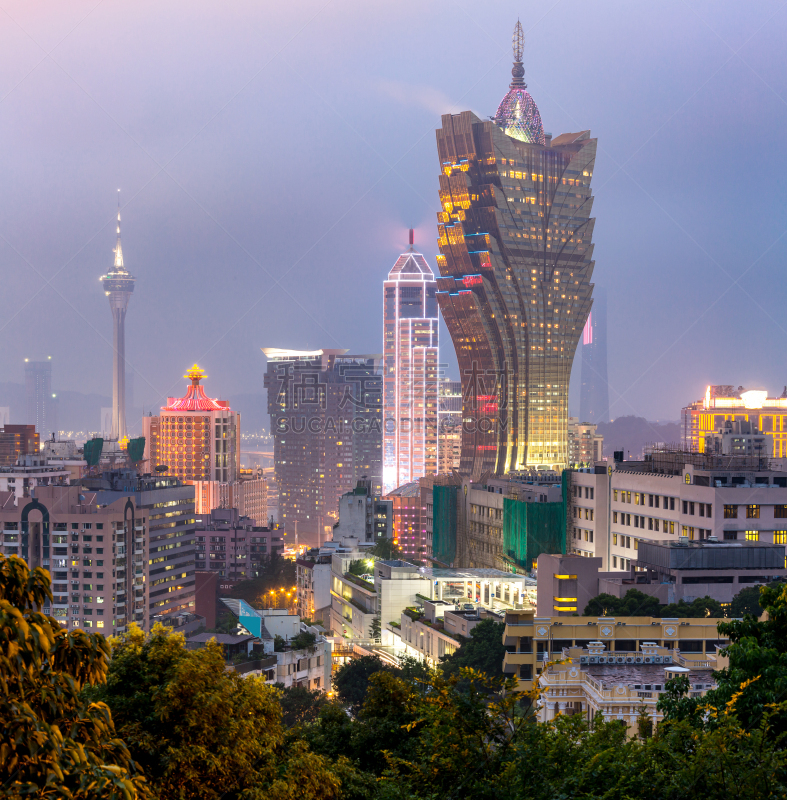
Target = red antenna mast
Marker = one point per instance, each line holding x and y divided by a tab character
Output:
411	238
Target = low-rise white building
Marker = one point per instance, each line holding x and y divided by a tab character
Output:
31	471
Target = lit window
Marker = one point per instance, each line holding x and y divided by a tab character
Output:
753	536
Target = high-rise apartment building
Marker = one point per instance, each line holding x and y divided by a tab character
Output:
119	548
195	436
725	404
516	259
118	287
410	333
594	397
585	445
326	422
41	401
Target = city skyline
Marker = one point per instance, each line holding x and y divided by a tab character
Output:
185	221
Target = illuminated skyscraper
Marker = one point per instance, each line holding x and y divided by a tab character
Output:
410	377
594	398
118	286
516	259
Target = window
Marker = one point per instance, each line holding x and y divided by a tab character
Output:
780	537
614	538
614	516
780	512
615	495
628	519
730	535
628	497
753	536
615	561
672	504
730	512
656	501
656	525
671	527
685	507
636	498
650	523
708	509
752	512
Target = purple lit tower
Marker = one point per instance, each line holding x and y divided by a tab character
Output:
118	286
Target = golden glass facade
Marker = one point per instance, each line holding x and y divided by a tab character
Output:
516	260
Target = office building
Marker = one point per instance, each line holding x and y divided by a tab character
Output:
516	261
41	400
585	445
17	441
195	437
326	423
118	286
449	426
725	404
612	666
670	494
410	371
594	395
500	523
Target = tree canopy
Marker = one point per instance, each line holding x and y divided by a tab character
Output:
55	742
633	604
482	651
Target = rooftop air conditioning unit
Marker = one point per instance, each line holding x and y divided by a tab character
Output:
648	659
583	659
620	659
593	659
638	660
598	660
629	659
657	659
667	659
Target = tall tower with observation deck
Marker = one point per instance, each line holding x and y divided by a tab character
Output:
118	286
516	261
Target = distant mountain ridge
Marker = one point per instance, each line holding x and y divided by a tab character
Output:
632	433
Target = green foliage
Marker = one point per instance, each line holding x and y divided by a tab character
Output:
300	705
358	567
633	604
55	742
483	651
375	627
351	680
277	573
279	643
755	682
701	607
385	550
203	731
747	601
303	640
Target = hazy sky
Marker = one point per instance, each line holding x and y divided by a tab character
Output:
271	157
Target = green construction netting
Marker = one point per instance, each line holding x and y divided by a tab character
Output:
530	529
92	451
136	448
444	525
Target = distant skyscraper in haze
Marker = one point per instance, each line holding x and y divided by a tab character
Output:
516	260
41	401
410	334
594	397
118	286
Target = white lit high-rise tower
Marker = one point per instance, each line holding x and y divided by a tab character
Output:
410	372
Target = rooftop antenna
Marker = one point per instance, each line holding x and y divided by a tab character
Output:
518	46
118	248
412	240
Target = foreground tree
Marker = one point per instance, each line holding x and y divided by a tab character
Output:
203	731
483	651
54	742
633	604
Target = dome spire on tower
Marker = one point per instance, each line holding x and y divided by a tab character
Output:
517	113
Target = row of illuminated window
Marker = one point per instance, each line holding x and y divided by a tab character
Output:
753	511
654	500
